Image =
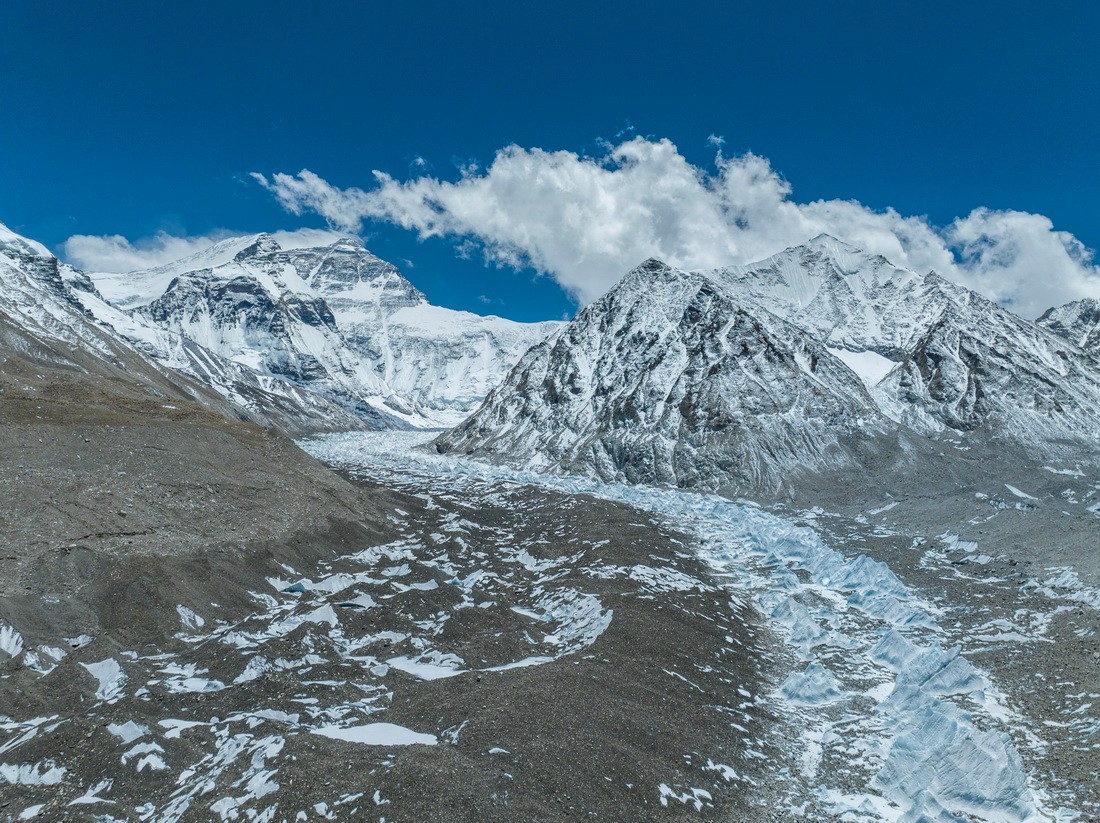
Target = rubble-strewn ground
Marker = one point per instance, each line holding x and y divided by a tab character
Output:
199	622
882	715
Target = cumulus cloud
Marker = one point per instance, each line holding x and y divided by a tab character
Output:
115	253
587	220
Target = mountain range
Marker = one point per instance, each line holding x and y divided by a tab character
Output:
307	340
819	357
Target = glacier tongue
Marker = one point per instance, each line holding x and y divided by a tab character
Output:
923	735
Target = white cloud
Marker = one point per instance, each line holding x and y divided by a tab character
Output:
307	238
343	209
115	253
587	220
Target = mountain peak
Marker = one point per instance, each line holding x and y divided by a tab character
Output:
845	255
826	240
261	244
1078	322
647	273
349	241
10	241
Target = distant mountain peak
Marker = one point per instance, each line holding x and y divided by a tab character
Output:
349	241
1078	322
262	244
18	244
828	241
653	264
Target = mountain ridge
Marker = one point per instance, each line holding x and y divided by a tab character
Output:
937	361
334	320
695	389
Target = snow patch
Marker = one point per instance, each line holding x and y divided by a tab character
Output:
378	734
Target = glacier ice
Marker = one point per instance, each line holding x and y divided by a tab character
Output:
936	739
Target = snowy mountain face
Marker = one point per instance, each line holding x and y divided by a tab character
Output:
335	321
442	361
49	303
1078	322
43	321
671	379
938	357
737	376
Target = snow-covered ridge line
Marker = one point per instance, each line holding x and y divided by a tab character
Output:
305	339
335	320
925	731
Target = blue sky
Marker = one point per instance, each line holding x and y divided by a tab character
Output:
136	118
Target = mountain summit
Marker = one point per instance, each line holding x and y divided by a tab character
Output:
671	378
335	321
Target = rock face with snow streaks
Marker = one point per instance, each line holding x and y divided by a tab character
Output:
814	358
443	362
334	322
671	379
1078	322
949	360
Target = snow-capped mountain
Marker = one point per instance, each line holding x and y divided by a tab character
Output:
669	378
937	356
442	361
334	320
1078	322
806	359
53	301
36	298
43	321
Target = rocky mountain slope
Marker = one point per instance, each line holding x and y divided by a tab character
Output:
110	457
336	321
939	357
817	357
43	296
1078	322
45	328
671	379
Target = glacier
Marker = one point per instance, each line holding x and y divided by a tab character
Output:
928	734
